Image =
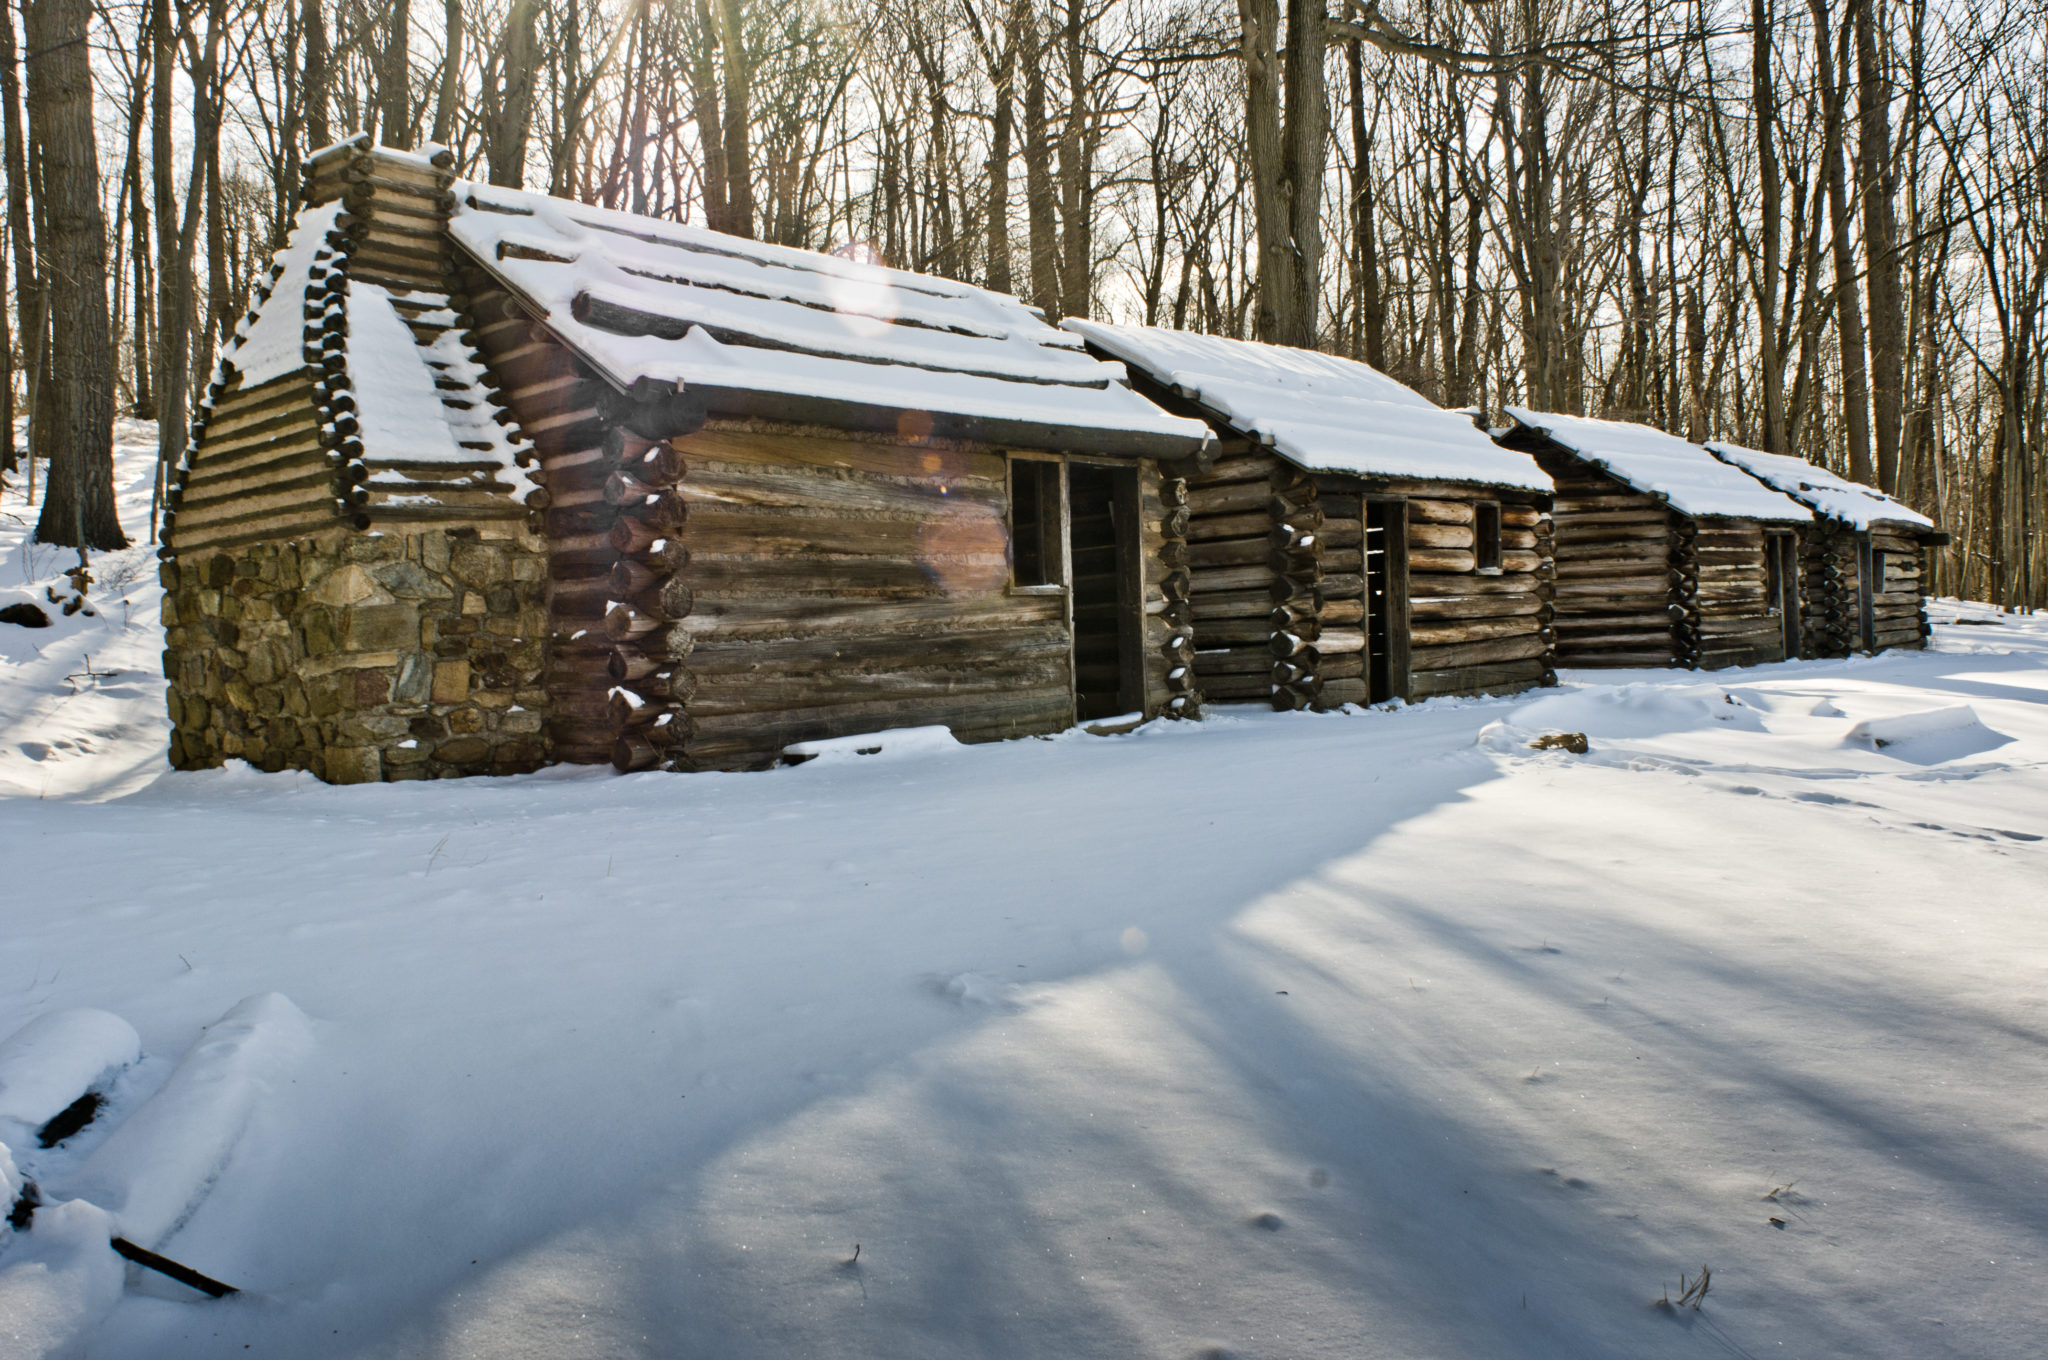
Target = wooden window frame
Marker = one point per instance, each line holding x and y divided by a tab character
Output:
1482	511
1054	547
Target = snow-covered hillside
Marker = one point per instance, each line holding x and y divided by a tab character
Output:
1368	1034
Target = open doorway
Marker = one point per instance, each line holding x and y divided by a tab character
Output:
1781	562
1386	599
1102	507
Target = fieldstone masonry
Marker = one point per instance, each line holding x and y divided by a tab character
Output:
362	656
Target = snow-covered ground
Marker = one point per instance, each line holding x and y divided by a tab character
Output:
1372	1034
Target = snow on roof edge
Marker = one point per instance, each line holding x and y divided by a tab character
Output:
1684	475
1828	494
1097	402
1320	412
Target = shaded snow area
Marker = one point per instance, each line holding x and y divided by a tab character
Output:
1691	479
1321	412
1373	1034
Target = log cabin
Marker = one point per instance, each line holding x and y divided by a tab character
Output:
1353	542
1862	562
1665	555
489	480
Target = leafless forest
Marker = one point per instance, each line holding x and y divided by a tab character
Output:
1813	226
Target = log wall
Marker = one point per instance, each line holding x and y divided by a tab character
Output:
1830	590
1279	563
1898	600
1473	632
1639	584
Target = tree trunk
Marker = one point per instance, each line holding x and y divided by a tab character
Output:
79	509
315	90
28	291
1848	307
510	124
739	116
1307	139
1372	303
1003	74
1076	158
1764	113
451	75
710	127
1038	189
394	79
1266	157
1878	184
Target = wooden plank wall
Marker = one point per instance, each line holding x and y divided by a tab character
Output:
1831	615
555	398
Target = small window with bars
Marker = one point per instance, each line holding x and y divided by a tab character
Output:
1486	536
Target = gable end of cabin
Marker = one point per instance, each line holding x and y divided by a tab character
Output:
354	584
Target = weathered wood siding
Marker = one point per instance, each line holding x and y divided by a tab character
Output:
1723	585
259	470
1280	562
1639	584
1234	510
845	584
1613	550
1898	600
1830	607
556	398
1474	632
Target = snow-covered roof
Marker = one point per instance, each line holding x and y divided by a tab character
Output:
1319	412
644	299
416	392
1692	480
1832	497
274	343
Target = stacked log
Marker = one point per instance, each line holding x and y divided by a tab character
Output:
610	505
1169	561
1230	582
1830	614
1295	555
645	596
1739	625
1898	600
539	380
1473	632
1619	568
843	582
282	458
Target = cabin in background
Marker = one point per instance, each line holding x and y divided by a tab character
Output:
1665	555
491	479
1862	562
1354	542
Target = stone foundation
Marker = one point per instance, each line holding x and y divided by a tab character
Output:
362	656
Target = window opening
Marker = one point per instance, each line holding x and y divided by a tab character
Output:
1035	558
1486	535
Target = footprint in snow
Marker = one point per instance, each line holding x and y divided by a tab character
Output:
34	750
1830	800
